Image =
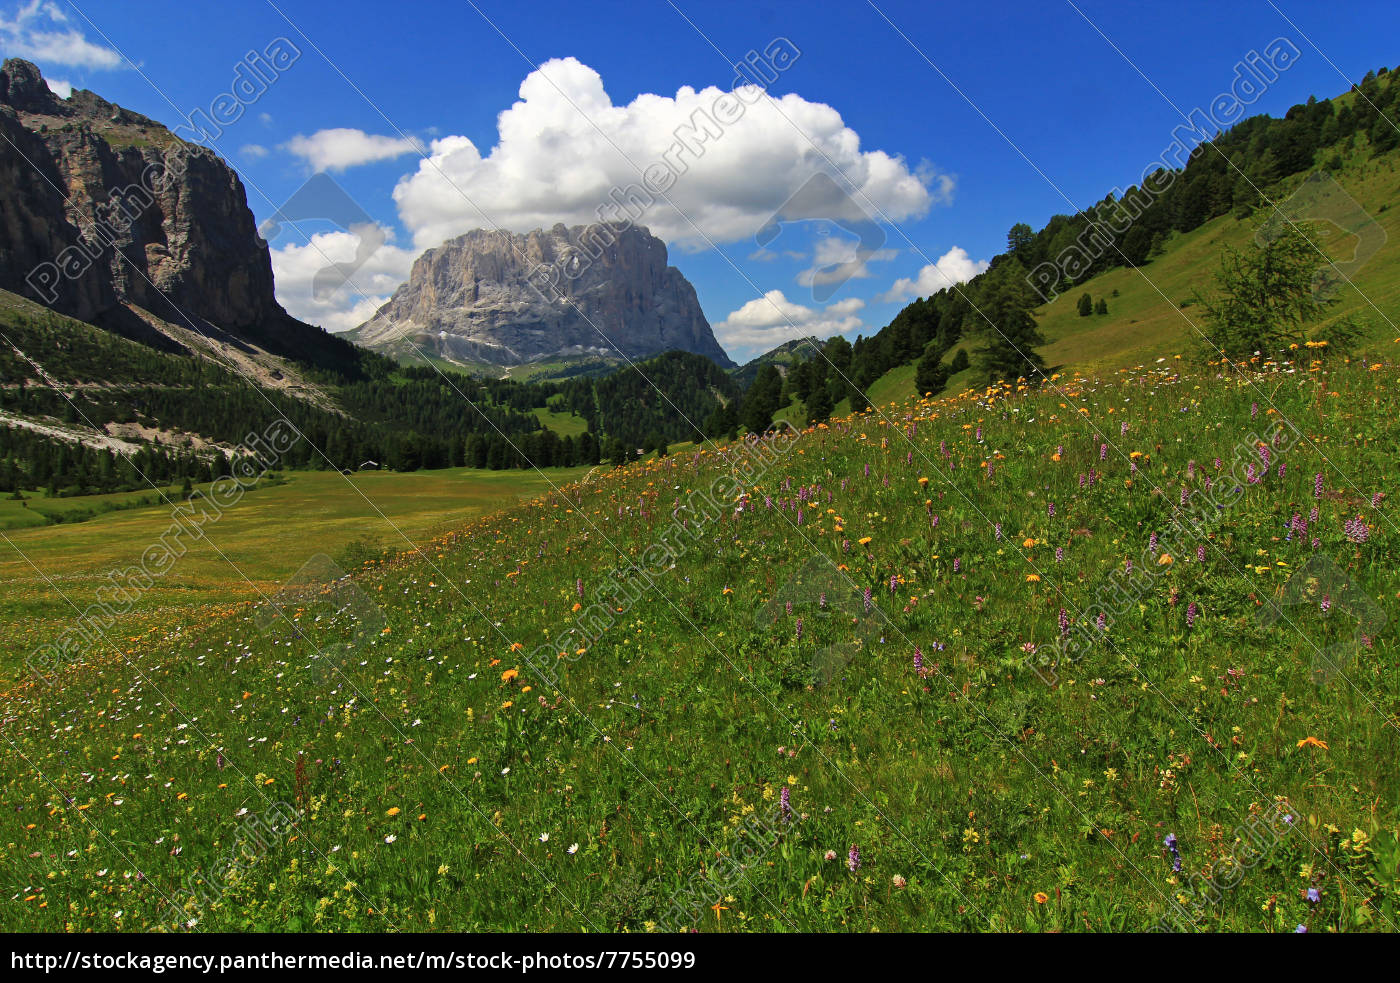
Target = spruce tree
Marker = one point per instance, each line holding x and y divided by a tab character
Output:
1008	352
819	404
930	375
1267	294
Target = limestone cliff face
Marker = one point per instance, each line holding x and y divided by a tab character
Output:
506	299
101	207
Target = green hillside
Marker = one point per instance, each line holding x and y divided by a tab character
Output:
1152	311
1139	258
814	684
1150	308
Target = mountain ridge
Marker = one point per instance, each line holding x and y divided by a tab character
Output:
111	217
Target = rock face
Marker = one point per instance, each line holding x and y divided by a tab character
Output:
103	207
506	299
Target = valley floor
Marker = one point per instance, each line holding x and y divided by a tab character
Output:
246	552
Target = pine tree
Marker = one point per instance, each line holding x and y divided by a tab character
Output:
819	404
1086	305
762	399
1266	295
1008	352
930	375
1019	240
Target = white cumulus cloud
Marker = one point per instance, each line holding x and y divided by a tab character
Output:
295	268
59	87
953	267
768	321
35	31
341	147
564	146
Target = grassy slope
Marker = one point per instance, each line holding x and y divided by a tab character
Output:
445	786
1145	320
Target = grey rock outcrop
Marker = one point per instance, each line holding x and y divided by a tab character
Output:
103	207
506	299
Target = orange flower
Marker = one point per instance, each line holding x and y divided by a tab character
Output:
1041	897
1028	543
1314	742
509	674
1165	560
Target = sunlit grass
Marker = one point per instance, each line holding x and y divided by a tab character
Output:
446	786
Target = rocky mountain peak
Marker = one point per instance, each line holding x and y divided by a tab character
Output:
106	209
23	87
508	298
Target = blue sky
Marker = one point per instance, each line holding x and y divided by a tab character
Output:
401	106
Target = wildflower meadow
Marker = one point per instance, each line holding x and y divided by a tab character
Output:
1106	653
